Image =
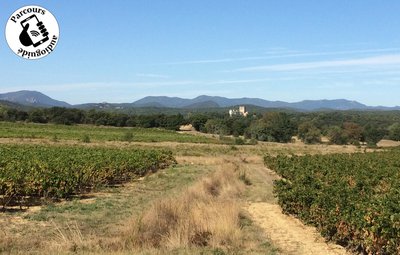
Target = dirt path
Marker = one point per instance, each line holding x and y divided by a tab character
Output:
287	233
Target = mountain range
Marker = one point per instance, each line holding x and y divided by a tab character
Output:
38	99
32	98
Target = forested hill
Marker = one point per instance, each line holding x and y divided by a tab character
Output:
38	99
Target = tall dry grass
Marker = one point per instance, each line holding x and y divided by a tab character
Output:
206	214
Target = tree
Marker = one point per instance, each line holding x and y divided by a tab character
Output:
239	125
394	132
37	116
273	127
353	132
3	113
146	121
308	133
336	135
64	116
373	134
216	126
198	121
131	122
173	122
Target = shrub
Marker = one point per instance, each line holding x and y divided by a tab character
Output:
239	141
86	138
128	137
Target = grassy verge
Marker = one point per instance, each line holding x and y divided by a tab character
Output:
107	222
89	224
205	219
204	215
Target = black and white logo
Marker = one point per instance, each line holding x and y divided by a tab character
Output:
32	32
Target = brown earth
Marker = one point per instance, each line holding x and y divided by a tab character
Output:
289	234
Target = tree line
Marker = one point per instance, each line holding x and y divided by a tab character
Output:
340	127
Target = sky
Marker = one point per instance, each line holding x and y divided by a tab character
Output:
121	51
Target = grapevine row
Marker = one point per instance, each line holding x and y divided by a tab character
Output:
61	171
353	199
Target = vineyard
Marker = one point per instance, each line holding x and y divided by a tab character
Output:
29	171
352	199
96	133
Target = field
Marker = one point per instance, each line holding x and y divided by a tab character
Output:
95	133
87	197
161	192
36	171
353	199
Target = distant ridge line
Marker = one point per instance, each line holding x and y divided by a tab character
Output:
38	99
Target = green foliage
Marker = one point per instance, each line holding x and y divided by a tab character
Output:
353	132
128	136
394	132
218	251
373	134
352	199
86	138
308	133
239	141
238	124
68	116
336	135
325	120
55	171
173	122
198	121
37	116
273	127
349	133
220	124
63	132
216	126
55	138
252	141
226	139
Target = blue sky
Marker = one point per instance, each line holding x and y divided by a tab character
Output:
121	51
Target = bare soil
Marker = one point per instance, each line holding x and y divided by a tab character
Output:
289	234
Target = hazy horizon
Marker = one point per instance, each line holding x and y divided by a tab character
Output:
191	98
275	50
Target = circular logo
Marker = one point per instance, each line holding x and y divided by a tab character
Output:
32	32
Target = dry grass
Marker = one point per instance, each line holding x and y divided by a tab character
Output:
388	143
203	160
66	238
205	215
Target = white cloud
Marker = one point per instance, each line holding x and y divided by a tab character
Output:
210	61
276	54
237	81
370	61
